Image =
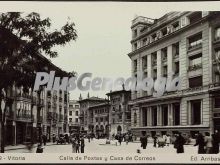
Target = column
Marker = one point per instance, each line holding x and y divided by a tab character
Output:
159	65
170	114
141	117
159	115
169	60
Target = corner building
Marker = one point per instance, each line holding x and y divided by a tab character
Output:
187	44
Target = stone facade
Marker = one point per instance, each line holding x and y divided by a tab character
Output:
186	44
73	116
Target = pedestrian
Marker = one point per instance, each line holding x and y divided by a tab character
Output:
54	138
77	146
120	138
82	144
44	137
127	138
143	140
180	141
168	141
73	145
39	149
89	138
200	142
155	140
215	142
208	143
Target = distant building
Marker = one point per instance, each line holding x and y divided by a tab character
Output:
99	121
73	116
120	112
85	115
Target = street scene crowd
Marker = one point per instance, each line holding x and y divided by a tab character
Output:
207	144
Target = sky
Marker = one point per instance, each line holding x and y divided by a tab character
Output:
103	30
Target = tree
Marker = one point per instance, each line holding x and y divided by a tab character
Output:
24	38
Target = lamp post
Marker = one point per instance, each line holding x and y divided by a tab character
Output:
2	117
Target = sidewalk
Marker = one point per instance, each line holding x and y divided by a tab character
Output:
22	146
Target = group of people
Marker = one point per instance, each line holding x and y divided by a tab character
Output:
78	144
208	144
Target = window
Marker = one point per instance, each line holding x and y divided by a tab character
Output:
155	74
176	114
135	65
195	41
76	106
135	33
76	120
144	110
135	118
145	41
176	67
77	113
164	54
196	16
144	61
176	49
71	106
70	113
196	112
101	119
176	26
135	46
165	115
195	62
164	31
154	116
195	82
70	120
96	119
154	58
217	33
153	36
164	71
217	102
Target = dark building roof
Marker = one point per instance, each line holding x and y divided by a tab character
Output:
99	105
117	92
92	99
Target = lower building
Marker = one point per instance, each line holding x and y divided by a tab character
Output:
73	116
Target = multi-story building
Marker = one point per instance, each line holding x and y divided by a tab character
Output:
73	117
86	116
187	44
99	121
29	114
119	113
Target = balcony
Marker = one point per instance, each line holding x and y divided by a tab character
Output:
40	102
9	114
194	67
39	119
24	117
195	45
49	115
61	118
34	100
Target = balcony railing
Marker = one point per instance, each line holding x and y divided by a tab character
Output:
39	119
194	67
194	45
24	117
61	118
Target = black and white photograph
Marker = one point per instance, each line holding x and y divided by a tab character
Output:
137	82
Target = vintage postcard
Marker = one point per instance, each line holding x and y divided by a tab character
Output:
110	82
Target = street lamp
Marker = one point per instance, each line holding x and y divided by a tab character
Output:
3	103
